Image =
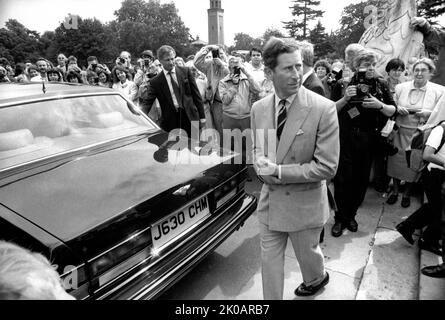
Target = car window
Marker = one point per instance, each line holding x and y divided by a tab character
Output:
41	129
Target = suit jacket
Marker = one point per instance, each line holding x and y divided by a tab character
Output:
308	152
190	98
314	84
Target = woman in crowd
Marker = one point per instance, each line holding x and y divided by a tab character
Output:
73	77
62	63
122	84
395	68
54	75
361	118
20	75
32	71
323	69
104	79
415	100
92	78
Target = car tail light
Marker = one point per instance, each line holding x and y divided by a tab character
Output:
120	258
228	190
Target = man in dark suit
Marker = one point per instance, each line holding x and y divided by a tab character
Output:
310	79
177	93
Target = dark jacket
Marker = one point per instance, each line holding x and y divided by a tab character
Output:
370	120
314	84
190	98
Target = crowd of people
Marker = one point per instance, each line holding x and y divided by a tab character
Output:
328	116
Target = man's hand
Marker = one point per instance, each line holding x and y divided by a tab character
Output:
270	180
372	103
265	167
350	92
418	21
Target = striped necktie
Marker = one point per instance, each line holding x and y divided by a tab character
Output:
282	115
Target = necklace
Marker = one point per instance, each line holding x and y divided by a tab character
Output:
418	95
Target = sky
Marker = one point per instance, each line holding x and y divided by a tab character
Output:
248	16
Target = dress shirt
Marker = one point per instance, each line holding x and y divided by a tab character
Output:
289	101
170	86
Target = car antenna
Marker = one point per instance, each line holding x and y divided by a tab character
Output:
43	86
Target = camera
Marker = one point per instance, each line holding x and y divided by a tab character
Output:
335	75
93	66
363	86
122	60
147	62
236	71
215	53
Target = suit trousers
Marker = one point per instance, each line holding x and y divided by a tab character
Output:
432	182
307	251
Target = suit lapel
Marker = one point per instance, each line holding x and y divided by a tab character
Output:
298	112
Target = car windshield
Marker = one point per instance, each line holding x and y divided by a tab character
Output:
40	129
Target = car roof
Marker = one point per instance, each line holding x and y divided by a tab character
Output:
16	92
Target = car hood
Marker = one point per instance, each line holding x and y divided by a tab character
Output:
80	193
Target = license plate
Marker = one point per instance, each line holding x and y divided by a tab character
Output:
169	228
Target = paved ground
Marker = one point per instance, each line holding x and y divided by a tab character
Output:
375	263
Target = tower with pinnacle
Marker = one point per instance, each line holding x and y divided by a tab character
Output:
216	22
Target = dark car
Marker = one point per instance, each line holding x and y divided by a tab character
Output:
121	210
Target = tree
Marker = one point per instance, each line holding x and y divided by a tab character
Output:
305	10
319	38
352	24
142	25
272	32
18	43
243	41
430	8
91	38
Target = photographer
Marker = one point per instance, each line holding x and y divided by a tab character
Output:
211	60
124	60
94	66
362	111
235	90
145	70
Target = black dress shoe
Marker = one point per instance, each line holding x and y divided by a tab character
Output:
392	199
406	232
406	202
304	290
433	248
434	271
337	229
352	225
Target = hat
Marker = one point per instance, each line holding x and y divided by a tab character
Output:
147	53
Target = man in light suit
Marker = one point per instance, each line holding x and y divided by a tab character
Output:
294	155
177	93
